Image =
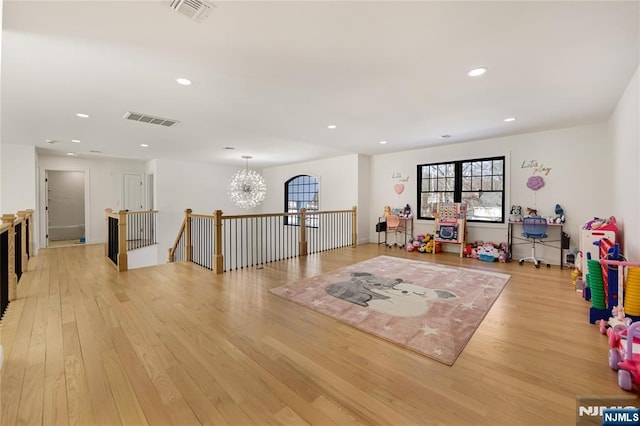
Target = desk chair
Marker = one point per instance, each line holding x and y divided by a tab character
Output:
534	228
394	225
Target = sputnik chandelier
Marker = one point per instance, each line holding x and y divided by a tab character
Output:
247	189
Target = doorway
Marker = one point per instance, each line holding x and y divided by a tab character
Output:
65	207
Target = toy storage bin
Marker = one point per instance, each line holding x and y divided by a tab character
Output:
487	258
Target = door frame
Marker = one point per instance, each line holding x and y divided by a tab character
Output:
43	216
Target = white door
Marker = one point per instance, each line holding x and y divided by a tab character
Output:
133	192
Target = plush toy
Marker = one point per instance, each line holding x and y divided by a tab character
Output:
409	246
559	214
406	213
387	211
502	257
516	214
474	253
532	212
467	250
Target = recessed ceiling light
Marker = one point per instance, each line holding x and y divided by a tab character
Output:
445	136
509	119
476	72
95	151
144	145
75	140
51	141
332	126
383	142
81	115
229	148
71	153
183	81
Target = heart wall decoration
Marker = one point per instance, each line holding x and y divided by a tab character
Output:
399	188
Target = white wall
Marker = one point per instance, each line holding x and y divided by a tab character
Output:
578	157
180	185
18	170
625	180
103	187
338	179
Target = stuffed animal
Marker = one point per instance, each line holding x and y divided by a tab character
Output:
516	214
387	211
559	214
532	212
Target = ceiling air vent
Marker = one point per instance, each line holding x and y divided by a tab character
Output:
196	10
146	118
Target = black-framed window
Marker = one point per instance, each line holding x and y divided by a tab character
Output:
479	183
301	192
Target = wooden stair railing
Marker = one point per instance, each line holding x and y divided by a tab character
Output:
222	243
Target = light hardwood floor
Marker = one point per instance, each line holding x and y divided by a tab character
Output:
176	344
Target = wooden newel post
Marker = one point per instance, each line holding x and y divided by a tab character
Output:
218	258
123	264
8	219
172	257
31	231
107	212
354	226
187	235
303	232
22	215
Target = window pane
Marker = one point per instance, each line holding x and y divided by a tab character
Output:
451	170
487	167
498	166
476	183
451	182
497	183
442	170
466	184
466	169
486	183
476	168
433	171
485	206
441	185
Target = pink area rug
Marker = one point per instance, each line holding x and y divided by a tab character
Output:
431	309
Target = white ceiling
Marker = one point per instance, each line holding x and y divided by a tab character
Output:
268	77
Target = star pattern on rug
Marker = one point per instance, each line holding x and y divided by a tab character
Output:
363	314
438	351
310	288
317	302
428	330
468	305
458	320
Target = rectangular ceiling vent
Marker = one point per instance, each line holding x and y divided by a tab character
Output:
146	118
196	10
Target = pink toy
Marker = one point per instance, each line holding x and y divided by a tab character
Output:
624	355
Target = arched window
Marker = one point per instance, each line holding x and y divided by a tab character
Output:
301	192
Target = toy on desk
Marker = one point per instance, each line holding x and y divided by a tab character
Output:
531	212
406	212
387	211
516	214
559	214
